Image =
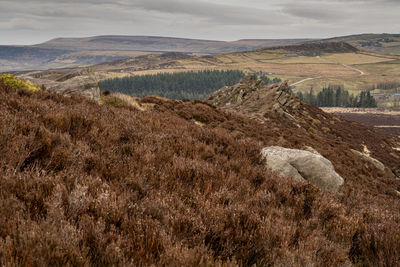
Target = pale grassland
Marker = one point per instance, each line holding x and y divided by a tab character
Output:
122	100
353	58
352	83
295	66
361	111
299	60
301	70
385	69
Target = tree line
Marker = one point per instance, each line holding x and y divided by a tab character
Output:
336	96
383	86
185	85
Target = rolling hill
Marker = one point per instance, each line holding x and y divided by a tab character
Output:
73	52
379	43
162	44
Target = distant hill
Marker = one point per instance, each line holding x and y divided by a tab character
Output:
15	58
315	48
163	44
73	52
20	57
379	43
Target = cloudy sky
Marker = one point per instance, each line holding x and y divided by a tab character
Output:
35	21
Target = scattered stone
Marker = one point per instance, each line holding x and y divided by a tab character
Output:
367	157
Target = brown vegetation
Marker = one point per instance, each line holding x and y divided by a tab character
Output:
389	123
316	48
84	184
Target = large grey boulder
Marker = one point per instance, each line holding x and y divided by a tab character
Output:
302	165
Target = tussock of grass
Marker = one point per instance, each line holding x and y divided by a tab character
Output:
123	101
14	82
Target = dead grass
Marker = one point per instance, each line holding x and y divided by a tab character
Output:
385	69
361	111
356	58
85	184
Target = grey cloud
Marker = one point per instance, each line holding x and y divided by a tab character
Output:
225	13
218	13
320	11
208	19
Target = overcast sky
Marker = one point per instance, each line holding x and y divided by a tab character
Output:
35	21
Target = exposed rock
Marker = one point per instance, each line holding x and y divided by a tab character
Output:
252	96
82	82
367	157
302	165
237	94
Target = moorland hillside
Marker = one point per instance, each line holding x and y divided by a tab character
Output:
152	181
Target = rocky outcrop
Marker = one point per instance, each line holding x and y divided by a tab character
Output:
236	94
302	165
81	82
252	96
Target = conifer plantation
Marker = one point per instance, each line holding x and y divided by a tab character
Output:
186	85
336	96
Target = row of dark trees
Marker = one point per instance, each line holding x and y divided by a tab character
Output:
185	85
336	96
383	86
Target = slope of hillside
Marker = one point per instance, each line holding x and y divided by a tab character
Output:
25	57
316	48
155	181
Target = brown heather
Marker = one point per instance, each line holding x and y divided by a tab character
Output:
180	184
